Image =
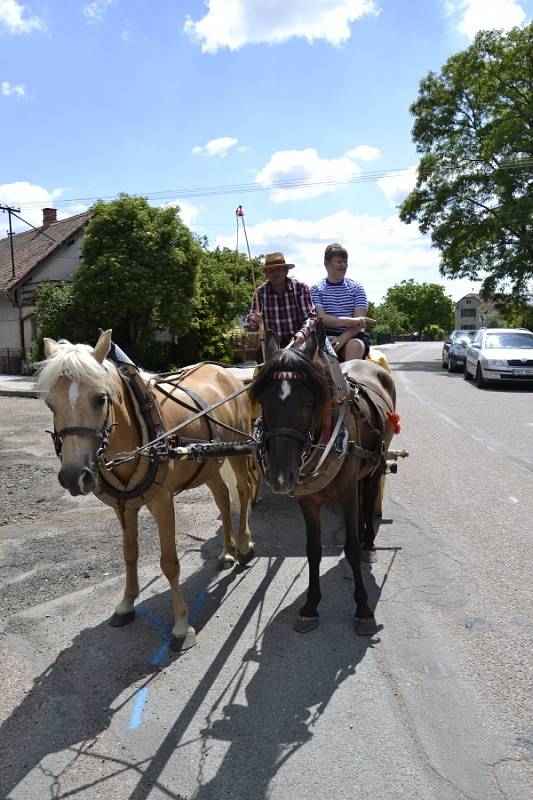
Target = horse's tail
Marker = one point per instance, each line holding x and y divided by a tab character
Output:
228	476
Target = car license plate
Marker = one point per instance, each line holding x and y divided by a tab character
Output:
523	372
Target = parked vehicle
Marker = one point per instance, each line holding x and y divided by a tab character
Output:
454	348
500	354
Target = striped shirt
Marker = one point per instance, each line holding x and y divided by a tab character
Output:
286	314
339	299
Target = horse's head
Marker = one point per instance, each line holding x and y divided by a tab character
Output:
79	391
291	389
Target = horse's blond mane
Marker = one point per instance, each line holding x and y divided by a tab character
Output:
76	362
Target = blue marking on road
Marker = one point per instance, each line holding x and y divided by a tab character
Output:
156	659
136	717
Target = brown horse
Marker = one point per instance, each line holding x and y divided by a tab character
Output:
97	416
320	441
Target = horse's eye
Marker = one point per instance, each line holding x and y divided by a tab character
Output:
100	399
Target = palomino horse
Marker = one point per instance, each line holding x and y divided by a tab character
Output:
321	439
96	412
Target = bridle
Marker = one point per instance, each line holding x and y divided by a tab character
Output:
261	437
101	435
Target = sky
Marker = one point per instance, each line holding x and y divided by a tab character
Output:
298	110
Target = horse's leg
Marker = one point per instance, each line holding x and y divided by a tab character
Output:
162	509
370	491
308	615
365	624
220	493
125	611
244	488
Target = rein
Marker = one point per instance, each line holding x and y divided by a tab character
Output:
152	445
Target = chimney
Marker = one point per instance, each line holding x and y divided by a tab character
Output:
49	216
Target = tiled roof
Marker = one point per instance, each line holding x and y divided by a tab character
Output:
34	246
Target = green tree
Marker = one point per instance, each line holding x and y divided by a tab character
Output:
474	191
224	287
54	315
421	305
389	319
137	272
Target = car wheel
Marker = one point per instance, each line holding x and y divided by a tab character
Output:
480	383
466	374
444	364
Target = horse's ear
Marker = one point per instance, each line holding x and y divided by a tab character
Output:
102	346
271	345
310	345
320	334
50	347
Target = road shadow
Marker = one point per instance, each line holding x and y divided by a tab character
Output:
417	366
283	702
74	699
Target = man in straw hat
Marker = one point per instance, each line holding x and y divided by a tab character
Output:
282	304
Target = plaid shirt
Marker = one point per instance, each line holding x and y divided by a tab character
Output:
287	314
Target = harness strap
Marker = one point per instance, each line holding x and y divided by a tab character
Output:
303	437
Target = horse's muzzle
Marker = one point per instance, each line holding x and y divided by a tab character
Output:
77	481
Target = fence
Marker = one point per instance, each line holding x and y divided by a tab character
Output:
11	361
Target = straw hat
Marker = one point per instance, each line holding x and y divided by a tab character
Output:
276	260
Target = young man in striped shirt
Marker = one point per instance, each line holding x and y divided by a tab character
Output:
342	305
283	304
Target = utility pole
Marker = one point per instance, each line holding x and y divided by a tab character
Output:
10	210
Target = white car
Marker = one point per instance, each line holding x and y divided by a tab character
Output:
500	354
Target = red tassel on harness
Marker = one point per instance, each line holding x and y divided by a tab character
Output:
394	421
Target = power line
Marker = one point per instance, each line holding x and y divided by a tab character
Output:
281	184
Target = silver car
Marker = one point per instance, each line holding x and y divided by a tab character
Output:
500	354
454	349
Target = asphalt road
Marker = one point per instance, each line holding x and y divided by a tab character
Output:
437	705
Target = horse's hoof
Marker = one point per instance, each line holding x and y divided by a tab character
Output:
180	643
305	624
370	556
365	627
226	561
119	620
245	558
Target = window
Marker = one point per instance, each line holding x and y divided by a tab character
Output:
468	312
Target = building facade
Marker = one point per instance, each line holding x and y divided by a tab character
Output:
48	253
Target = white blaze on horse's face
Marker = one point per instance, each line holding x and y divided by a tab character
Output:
73	394
284	390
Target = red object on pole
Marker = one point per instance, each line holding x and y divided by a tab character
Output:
239	211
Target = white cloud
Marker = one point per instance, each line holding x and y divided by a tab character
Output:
382	250
7	88
95	11
319	175
21	194
235	23
216	147
472	16
397	186
188	212
13	17
364	152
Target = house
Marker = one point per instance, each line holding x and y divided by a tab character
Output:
48	253
471	312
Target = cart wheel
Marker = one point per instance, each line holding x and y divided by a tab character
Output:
256	479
